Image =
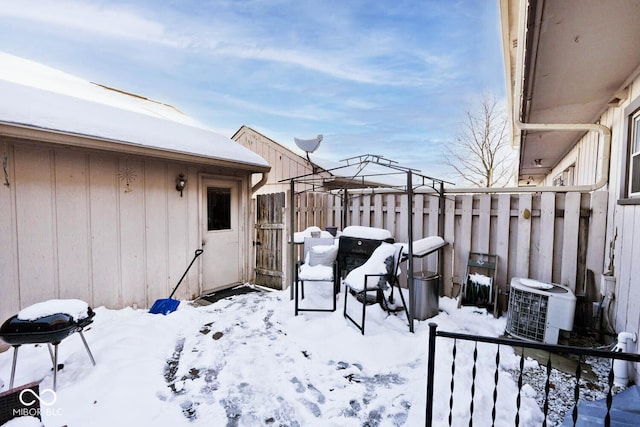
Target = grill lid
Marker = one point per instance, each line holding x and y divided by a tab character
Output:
47	329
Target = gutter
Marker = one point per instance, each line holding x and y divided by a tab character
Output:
261	183
604	131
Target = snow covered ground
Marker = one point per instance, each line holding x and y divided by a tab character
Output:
248	361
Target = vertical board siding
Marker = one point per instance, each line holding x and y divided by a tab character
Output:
75	229
155	202
35	212
105	257
533	235
624	286
72	224
9	261
131	214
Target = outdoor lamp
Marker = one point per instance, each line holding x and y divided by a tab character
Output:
181	182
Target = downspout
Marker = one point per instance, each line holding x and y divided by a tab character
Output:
603	130
261	183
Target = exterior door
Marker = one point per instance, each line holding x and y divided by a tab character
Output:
221	259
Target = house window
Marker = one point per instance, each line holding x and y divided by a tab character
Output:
634	152
218	208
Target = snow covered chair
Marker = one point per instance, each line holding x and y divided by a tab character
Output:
319	265
377	275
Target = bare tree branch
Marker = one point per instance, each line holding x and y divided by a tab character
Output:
480	154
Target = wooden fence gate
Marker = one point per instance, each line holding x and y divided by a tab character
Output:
270	219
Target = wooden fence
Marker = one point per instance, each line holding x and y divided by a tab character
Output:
551	236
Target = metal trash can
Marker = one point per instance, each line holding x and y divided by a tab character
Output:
426	294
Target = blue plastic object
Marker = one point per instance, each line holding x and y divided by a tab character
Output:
625	410
164	306
169	305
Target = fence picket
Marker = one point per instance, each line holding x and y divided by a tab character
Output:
570	240
502	244
545	248
522	222
524	236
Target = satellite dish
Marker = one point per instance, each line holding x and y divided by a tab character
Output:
308	145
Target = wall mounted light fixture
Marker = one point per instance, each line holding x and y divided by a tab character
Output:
181	182
537	163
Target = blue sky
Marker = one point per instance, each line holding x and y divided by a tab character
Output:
388	77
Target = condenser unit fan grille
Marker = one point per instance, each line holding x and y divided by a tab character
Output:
527	314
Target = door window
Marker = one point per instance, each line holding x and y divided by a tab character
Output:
218	208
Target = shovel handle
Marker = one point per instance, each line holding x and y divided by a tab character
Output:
196	255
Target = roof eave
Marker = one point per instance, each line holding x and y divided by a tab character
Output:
36	134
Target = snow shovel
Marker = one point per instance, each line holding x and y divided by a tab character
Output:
168	305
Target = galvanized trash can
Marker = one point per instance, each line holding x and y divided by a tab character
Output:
426	294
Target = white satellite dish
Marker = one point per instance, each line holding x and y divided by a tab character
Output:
308	145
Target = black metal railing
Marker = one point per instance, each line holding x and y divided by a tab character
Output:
580	352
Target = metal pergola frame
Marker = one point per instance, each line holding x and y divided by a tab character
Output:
360	180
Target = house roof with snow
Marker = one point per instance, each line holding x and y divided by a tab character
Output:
46	104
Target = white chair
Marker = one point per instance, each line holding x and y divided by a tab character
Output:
319	266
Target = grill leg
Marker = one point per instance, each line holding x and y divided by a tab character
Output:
13	366
53	362
55	366
86	346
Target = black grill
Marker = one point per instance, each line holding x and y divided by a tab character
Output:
50	330
355	251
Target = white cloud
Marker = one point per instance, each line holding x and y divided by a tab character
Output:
349	53
106	20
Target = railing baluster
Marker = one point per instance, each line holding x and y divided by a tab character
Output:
430	373
453	372
547	387
519	344
473	383
576	391
496	376
607	418
518	399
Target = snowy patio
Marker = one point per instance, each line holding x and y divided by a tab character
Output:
248	360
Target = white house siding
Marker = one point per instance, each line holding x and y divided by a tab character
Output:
72	228
284	163
623	220
626	223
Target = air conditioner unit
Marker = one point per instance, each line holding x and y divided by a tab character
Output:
538	310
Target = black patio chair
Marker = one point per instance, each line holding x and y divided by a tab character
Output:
374	285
